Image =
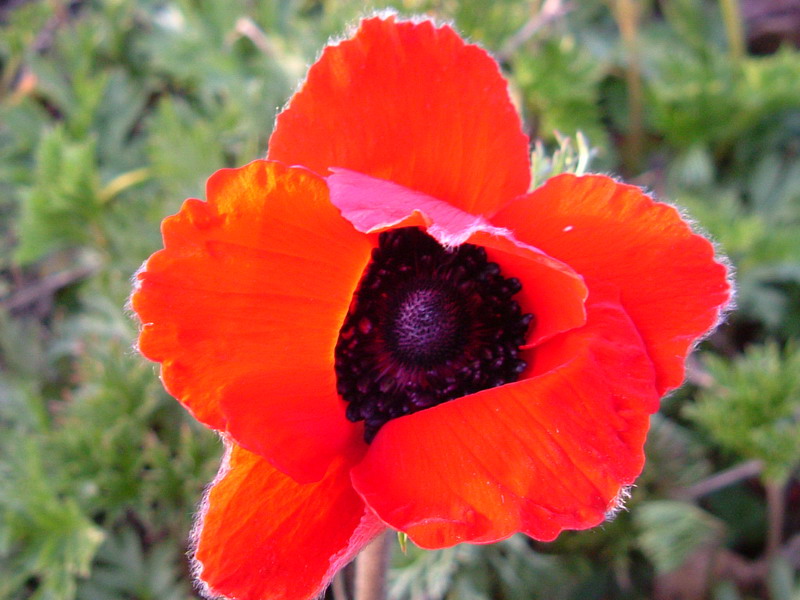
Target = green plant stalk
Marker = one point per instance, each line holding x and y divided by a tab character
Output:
732	18
776	513
371	568
339	586
626	13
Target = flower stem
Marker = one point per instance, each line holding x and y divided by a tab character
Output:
721	480
339	586
732	17
371	568
776	513
627	14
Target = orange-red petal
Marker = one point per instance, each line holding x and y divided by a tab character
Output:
551	290
262	535
550	452
252	287
669	282
412	103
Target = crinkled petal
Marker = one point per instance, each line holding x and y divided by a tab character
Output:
412	103
243	309
547	453
551	290
262	535
670	283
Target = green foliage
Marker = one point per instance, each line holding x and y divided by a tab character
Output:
560	82
699	95
670	530
571	156
676	458
752	408
112	112
763	251
43	532
508	569
126	569
62	208
116	449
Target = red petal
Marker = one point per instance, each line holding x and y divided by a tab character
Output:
262	535
547	453
253	286
412	103
669	282
550	289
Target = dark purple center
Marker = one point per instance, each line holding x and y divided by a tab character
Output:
428	325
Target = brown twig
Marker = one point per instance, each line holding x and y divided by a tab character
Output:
46	287
248	28
550	11
714	563
721	480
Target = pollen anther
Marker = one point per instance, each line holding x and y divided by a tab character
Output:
428	325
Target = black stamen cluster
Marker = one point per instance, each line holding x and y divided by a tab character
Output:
428	325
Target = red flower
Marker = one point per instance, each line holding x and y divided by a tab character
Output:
497	381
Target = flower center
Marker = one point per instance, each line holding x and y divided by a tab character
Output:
428	325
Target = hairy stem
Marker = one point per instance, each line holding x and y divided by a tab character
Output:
339	587
776	512
371	567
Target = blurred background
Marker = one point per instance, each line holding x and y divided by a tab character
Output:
114	111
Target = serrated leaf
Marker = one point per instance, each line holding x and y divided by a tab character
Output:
125	569
61	208
560	83
670	530
675	458
753	407
47	536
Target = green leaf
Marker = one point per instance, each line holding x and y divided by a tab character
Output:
752	408
62	207
670	531
125	569
560	86
469	571
181	145
572	155
675	457
45	535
